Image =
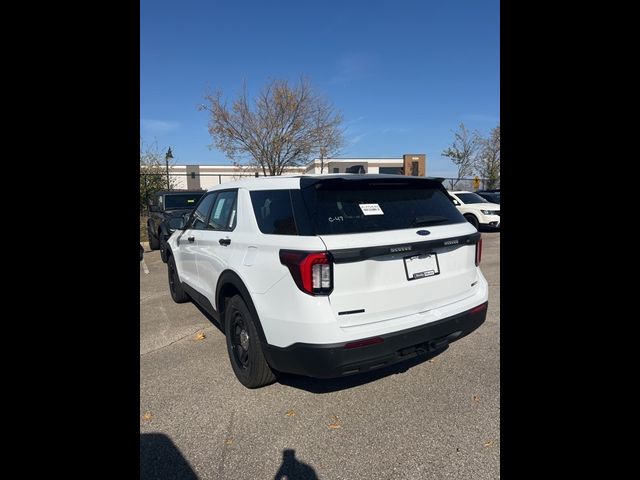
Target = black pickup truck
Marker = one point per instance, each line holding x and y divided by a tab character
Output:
167	210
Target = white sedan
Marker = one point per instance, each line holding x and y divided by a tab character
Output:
476	209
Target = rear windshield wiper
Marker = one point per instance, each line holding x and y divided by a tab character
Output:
428	220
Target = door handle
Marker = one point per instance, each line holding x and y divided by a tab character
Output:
191	239
224	241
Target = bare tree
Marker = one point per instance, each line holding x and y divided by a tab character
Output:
330	136
153	174
282	127
463	152
488	161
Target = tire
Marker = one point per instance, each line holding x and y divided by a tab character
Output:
472	220
244	347
163	251
154	242
175	286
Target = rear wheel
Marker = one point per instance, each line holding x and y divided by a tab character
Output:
472	220
163	250
154	242
243	345
175	286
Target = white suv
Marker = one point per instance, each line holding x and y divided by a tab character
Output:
476	209
329	275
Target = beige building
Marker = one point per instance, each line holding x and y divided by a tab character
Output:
193	177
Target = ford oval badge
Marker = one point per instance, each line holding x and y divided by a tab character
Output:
423	232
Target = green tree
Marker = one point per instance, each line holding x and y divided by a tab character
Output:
463	152
153	173
488	161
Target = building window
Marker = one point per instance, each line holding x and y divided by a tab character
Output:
336	170
391	170
414	169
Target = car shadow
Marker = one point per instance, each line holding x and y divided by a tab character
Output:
329	385
160	458
489	230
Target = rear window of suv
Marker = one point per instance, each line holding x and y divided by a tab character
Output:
341	207
181	200
334	207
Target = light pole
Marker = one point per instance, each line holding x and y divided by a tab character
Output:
167	156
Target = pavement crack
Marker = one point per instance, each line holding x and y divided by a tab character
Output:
175	341
228	436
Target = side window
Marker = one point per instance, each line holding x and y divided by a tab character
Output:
274	212
223	215
198	220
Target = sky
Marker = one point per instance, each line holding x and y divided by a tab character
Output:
404	74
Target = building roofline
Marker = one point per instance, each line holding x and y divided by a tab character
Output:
306	165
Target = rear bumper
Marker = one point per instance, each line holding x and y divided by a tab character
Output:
334	360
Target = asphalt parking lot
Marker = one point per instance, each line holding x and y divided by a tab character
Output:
430	418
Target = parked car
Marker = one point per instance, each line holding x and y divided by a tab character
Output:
329	275
491	196
168	211
476	209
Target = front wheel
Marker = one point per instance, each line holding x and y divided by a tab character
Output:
175	285
163	250
243	346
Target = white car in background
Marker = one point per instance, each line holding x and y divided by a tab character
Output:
476	209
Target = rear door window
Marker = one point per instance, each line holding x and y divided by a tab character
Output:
341	207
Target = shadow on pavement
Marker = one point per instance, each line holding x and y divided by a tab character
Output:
160	459
328	385
213	321
294	469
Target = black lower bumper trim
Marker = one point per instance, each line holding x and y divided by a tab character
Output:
334	360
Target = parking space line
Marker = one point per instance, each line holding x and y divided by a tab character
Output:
144	267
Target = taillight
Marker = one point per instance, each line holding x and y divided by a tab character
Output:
478	251
312	271
479	308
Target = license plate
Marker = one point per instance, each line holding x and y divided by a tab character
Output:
421	266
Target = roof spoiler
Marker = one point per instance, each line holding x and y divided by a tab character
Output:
307	182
